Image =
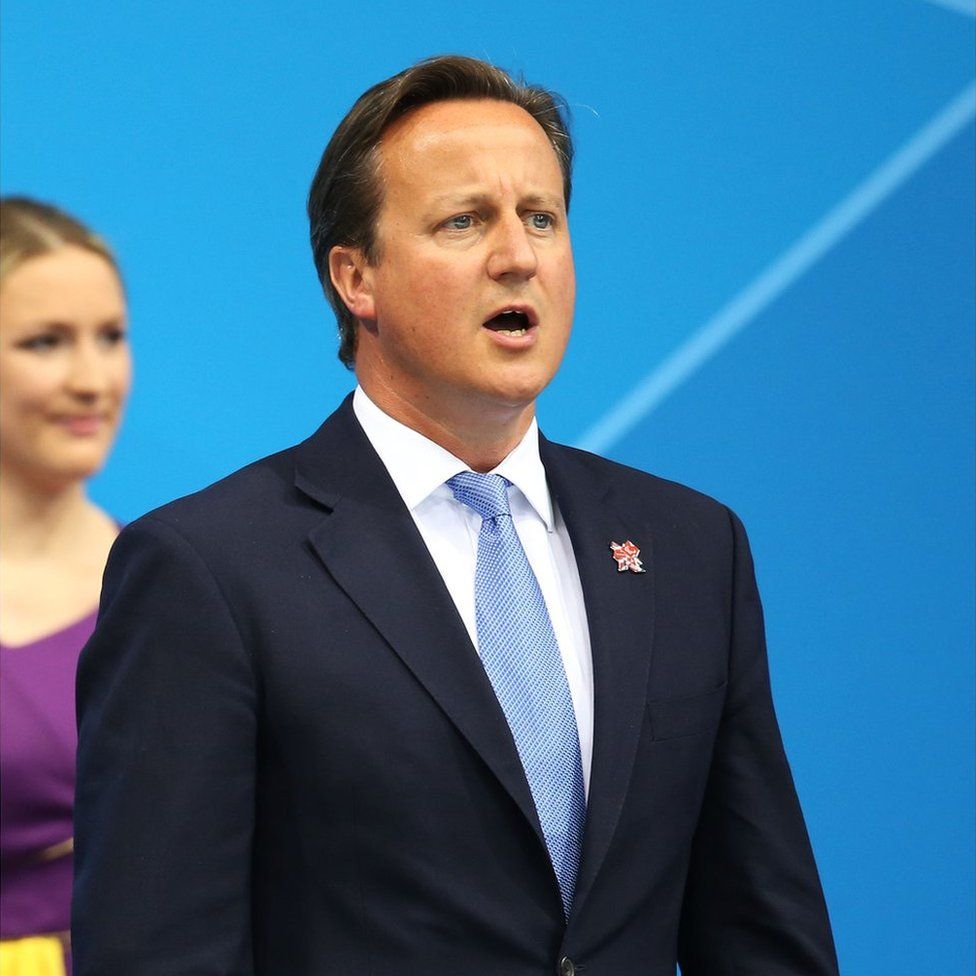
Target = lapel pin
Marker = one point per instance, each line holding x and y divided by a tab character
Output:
626	556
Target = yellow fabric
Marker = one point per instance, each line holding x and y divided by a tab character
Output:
37	955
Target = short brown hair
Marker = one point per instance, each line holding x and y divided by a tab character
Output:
30	229
345	197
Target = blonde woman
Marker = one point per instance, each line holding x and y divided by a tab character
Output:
64	378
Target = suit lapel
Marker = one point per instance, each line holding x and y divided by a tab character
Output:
620	616
370	545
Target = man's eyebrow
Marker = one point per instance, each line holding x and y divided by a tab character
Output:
462	200
552	200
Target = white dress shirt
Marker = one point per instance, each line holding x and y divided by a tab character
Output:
419	468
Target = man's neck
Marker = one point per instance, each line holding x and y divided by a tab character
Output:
481	435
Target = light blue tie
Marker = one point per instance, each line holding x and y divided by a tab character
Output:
518	648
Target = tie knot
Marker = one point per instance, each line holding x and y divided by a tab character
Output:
487	494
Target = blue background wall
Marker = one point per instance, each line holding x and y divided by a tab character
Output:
774	233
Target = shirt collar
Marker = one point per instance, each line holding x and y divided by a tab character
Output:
419	467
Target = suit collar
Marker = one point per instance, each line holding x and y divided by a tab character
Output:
620	616
371	546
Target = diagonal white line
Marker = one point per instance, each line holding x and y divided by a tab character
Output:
778	276
959	6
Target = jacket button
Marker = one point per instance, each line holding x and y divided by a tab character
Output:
567	967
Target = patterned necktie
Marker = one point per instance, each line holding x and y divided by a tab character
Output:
518	648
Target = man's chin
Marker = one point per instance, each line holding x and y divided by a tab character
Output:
515	385
509	397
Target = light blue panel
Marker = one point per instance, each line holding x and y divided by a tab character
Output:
710	137
840	425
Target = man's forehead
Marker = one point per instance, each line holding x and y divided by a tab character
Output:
439	125
452	148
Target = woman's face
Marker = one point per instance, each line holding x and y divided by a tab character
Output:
65	367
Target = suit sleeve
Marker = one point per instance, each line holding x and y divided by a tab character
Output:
164	807
753	902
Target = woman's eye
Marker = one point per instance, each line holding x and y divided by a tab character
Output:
541	221
41	343
112	337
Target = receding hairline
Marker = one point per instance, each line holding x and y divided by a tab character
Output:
457	104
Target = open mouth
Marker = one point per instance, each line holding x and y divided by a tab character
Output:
509	322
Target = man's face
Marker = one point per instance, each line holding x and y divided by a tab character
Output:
470	302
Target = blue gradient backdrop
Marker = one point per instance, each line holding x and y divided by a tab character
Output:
837	420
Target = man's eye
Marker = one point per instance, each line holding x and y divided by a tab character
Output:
541	221
460	222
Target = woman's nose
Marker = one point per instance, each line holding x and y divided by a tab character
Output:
88	373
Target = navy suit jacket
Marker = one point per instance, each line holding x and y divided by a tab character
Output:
292	762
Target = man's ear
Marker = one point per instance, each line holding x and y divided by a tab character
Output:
349	271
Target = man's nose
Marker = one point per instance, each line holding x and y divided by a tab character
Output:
512	254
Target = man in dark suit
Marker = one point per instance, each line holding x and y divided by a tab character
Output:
428	694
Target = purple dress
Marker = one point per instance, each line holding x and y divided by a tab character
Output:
38	741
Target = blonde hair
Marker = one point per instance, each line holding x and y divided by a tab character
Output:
30	229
